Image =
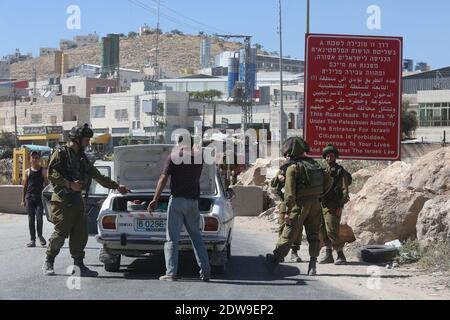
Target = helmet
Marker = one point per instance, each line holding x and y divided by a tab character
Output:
295	147
330	149
81	132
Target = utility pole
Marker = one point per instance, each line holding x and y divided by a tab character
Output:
281	119
158	25
15	116
308	16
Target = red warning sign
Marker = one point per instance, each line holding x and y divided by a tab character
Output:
353	95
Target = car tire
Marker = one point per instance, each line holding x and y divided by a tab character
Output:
377	254
111	262
113	266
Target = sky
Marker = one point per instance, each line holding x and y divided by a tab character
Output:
31	24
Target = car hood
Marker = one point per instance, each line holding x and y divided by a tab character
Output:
139	168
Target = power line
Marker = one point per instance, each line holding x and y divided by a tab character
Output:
189	18
166	16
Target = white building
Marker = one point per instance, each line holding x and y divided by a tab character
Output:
434	115
67	45
36	113
47	51
82	41
127	76
294	107
196	83
131	113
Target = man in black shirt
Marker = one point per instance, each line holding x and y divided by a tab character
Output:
183	208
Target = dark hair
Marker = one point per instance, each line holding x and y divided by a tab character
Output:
34	154
181	140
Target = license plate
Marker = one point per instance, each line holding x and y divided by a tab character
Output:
151	225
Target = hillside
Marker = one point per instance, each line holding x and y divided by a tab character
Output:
176	53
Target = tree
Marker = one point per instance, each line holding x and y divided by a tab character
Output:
132	34
258	47
409	120
7	140
126	141
177	32
208	96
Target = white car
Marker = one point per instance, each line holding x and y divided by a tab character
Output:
125	228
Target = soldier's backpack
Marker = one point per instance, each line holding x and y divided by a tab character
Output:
310	179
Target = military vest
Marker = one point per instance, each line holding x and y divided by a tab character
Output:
310	179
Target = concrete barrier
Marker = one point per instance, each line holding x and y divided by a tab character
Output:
10	199
248	201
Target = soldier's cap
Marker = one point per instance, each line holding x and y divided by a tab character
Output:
330	149
295	147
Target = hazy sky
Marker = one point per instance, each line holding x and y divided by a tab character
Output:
31	24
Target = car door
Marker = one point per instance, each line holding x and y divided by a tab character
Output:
94	202
97	195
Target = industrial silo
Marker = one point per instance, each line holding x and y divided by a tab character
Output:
233	74
247	71
115	50
106	55
205	52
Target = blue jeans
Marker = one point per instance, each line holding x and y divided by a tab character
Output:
185	212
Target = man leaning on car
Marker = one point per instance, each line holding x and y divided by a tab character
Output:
183	208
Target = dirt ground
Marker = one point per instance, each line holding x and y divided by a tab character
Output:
367	281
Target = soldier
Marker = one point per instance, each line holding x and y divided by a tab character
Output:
278	183
332	205
306	182
70	172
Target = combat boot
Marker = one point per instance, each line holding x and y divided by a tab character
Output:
295	258
48	267
312	269
84	271
341	260
328	259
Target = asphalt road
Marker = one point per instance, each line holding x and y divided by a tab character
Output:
246	279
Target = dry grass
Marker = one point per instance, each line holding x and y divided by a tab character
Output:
432	258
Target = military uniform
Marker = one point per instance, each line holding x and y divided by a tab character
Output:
67	211
302	194
280	187
333	201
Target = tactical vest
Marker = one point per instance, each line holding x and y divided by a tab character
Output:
310	179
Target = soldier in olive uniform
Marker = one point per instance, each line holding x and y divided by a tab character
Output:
332	205
306	182
70	172
278	183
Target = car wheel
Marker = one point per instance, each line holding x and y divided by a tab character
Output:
111	262
113	266
377	254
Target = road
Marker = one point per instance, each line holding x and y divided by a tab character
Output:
246	279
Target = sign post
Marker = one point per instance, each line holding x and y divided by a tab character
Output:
353	95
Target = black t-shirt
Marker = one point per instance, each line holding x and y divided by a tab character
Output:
184	178
35	183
